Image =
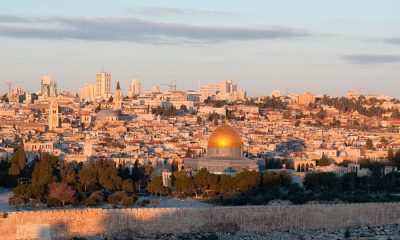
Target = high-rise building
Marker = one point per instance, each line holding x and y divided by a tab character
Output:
226	90
103	85
88	93
118	98
48	87
54	118
306	98
134	88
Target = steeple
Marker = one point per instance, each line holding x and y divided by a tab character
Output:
118	86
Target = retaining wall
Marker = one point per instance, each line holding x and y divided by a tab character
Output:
95	222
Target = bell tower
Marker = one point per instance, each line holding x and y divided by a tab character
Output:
54	118
118	98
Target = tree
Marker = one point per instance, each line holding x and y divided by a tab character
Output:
206	180
62	192
136	171
184	108
396	160
88	175
215	121
127	186
199	120
4	167
68	173
247	181
174	166
324	161
183	183
44	170
107	175
156	186
271	181
188	153
369	144
18	162
226	184
324	181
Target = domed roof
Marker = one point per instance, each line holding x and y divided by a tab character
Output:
105	113
225	136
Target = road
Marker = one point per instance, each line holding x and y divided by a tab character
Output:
5	194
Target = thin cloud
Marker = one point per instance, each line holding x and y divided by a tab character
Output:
138	30
392	40
167	11
371	59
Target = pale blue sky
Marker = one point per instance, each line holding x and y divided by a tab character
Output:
262	45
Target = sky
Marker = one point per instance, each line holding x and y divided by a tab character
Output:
311	45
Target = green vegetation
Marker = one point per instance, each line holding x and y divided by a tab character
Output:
345	105
58	183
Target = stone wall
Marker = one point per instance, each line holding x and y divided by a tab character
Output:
96	222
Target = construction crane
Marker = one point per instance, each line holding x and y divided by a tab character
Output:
10	83
171	85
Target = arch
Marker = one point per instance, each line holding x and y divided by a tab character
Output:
307	167
302	168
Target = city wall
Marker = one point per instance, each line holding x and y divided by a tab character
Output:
97	222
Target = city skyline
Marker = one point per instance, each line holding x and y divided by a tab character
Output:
319	47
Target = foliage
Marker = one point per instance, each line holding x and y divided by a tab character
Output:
44	171
324	161
128	186
184	184
369	144
320	181
247	181
61	192
156	186
18	162
68	173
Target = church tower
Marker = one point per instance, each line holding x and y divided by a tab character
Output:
54	118
118	98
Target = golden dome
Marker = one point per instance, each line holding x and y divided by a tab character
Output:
225	136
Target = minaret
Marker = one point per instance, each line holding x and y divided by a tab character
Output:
118	98
54	118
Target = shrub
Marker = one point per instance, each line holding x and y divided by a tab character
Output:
53	202
298	198
20	190
116	198
257	200
128	201
98	196
328	196
226	201
16	201
209	237
90	201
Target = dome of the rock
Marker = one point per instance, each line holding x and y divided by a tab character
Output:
225	136
225	141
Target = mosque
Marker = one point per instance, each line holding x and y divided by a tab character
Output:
224	154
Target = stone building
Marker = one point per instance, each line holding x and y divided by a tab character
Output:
224	154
